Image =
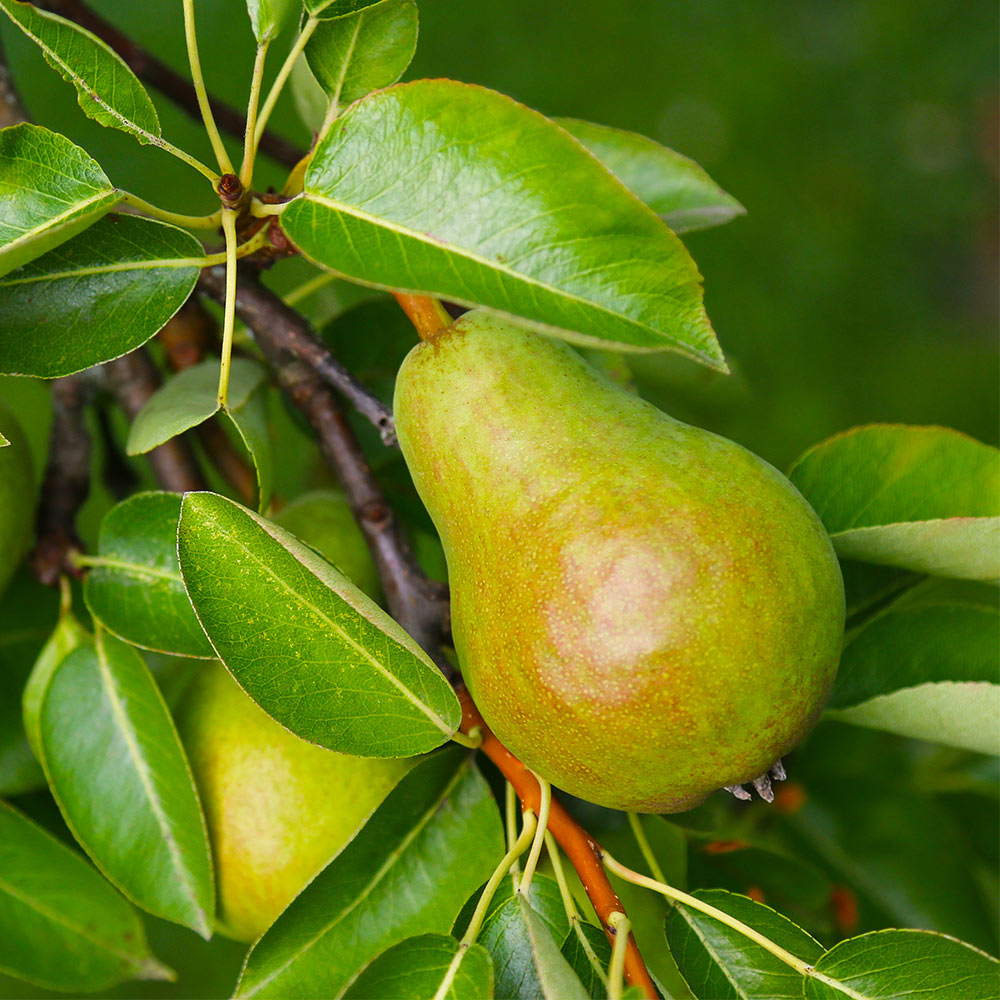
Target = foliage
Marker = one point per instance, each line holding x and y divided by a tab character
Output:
878	854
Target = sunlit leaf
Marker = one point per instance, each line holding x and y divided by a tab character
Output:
62	926
108	91
95	297
898	964
137	593
479	200
921	498
354	55
268	17
338	8
672	185
117	769
304	642
419	967
50	190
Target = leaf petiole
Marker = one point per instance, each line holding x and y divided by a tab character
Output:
524	885
191	38
803	968
229	319
175	218
249	147
616	971
279	81
647	851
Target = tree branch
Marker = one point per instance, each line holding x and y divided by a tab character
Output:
166	80
66	483
583	851
420	605
132	379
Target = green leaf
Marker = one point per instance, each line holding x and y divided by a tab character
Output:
118	772
479	200
108	91
719	962
61	925
921	498
897	964
325	9
250	421
417	969
544	897
434	839
137	593
928	668
354	55
3	441
96	297
527	962
188	399
268	17
588	952
66	636
304	642
51	190
672	185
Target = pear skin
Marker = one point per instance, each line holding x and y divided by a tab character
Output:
278	808
644	611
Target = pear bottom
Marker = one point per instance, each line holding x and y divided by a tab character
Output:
278	808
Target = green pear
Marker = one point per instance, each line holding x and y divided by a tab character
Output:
17	496
278	808
644	611
324	520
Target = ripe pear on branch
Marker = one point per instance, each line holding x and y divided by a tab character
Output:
644	611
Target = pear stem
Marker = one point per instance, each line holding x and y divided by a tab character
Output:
427	314
582	850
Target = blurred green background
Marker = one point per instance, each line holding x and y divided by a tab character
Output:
861	285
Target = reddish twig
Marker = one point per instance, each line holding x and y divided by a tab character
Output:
420	605
132	379
582	850
170	83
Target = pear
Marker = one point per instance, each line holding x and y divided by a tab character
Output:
278	808
643	611
17	496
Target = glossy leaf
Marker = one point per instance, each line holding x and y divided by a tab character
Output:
250	421
921	498
479	200
719	962
672	185
116	767
899	964
419	967
62	926
188	399
50	190
304	642
527	963
434	839
588	952
268	17
926	668
96	297
66	636
108	91
354	55
138	593
338	8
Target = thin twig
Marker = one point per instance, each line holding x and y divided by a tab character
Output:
420	605
171	84
293	332
582	850
132	379
66	483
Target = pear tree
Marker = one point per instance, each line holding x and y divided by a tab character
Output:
403	649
